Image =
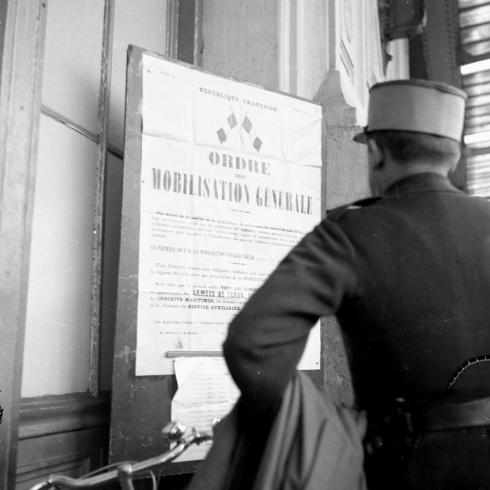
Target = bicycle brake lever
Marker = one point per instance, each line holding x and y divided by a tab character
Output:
173	431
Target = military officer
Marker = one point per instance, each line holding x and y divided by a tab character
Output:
407	274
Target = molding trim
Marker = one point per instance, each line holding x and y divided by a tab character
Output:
21	44
67	464
69	124
54	414
284	31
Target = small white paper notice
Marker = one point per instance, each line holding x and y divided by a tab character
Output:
205	392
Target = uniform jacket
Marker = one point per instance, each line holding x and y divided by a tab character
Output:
408	277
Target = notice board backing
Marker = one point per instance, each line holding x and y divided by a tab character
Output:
141	405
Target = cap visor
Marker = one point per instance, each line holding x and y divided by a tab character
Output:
360	138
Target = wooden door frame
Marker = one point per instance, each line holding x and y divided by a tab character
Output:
21	41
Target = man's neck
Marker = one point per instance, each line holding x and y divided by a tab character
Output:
401	171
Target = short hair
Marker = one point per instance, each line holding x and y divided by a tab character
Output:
408	146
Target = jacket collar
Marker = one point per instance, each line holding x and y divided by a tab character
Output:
423	182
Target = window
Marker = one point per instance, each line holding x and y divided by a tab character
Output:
75	236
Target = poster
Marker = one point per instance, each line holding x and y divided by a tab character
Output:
230	181
204	396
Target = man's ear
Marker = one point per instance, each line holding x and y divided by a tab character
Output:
456	160
452	167
375	151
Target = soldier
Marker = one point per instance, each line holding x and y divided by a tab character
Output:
407	274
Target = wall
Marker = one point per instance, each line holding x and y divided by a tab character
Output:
239	40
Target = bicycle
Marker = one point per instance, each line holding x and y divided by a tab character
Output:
126	471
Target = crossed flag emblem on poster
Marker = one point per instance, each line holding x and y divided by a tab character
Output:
246	127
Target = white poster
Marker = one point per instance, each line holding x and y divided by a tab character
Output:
205	394
230	181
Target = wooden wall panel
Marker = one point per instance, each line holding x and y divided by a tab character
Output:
65	434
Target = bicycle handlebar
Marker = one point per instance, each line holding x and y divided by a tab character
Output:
125	471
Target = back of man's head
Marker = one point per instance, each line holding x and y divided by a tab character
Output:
406	147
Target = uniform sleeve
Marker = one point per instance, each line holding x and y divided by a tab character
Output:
267	337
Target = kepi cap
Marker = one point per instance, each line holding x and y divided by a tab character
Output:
413	105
